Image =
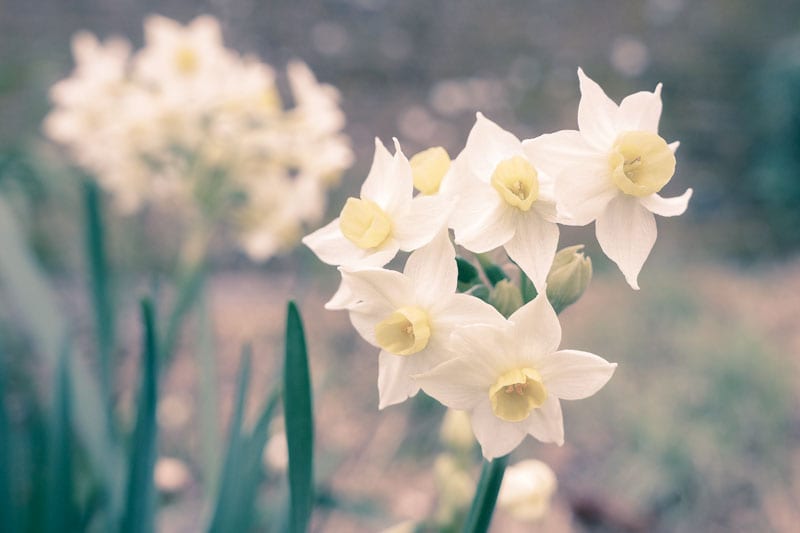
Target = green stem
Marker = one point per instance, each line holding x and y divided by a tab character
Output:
480	513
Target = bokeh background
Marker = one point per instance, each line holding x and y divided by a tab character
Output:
699	429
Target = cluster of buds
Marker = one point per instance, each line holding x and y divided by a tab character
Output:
470	335
190	125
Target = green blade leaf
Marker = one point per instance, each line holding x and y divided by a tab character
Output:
467	273
99	279
493	272
227	504
7	514
141	502
36	305
190	284
299	420
529	292
59	474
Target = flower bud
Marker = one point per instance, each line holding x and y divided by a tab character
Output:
527	489
428	168
456	431
505	297
568	278
455	488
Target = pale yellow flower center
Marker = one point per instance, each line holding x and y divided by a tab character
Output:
517	182
428	168
404	332
364	223
186	60
516	393
641	163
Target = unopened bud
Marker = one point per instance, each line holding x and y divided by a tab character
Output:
456	431
428	168
568	278
505	297
527	489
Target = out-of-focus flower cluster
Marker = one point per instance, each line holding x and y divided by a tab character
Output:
472	337
188	123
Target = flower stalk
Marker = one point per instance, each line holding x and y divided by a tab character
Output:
480	513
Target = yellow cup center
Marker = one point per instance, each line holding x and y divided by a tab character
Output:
641	163
517	182
364	223
516	393
428	168
404	332
186	60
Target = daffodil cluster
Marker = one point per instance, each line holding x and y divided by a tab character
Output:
191	125
483	344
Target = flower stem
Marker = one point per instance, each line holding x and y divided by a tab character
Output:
480	513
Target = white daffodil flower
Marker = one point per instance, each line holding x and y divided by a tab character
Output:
504	199
371	229
410	316
511	378
611	171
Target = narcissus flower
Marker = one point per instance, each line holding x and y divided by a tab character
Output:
410	316
612	170
511	378
504	199
384	219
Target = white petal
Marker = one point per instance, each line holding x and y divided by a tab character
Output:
394	380
556	152
536	328
584	192
674	146
487	145
459	310
533	247
597	114
574	375
425	217
332	247
626	232
496	437
433	270
458	383
640	111
481	220
667	207
378	292
547	422
389	183
342	298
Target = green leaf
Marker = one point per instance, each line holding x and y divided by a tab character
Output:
141	497
190	284
7	514
99	279
480	513
298	417
467	273
36	305
59	474
211	440
229	486
527	288
493	272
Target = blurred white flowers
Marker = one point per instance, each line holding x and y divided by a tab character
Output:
191	125
527	489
